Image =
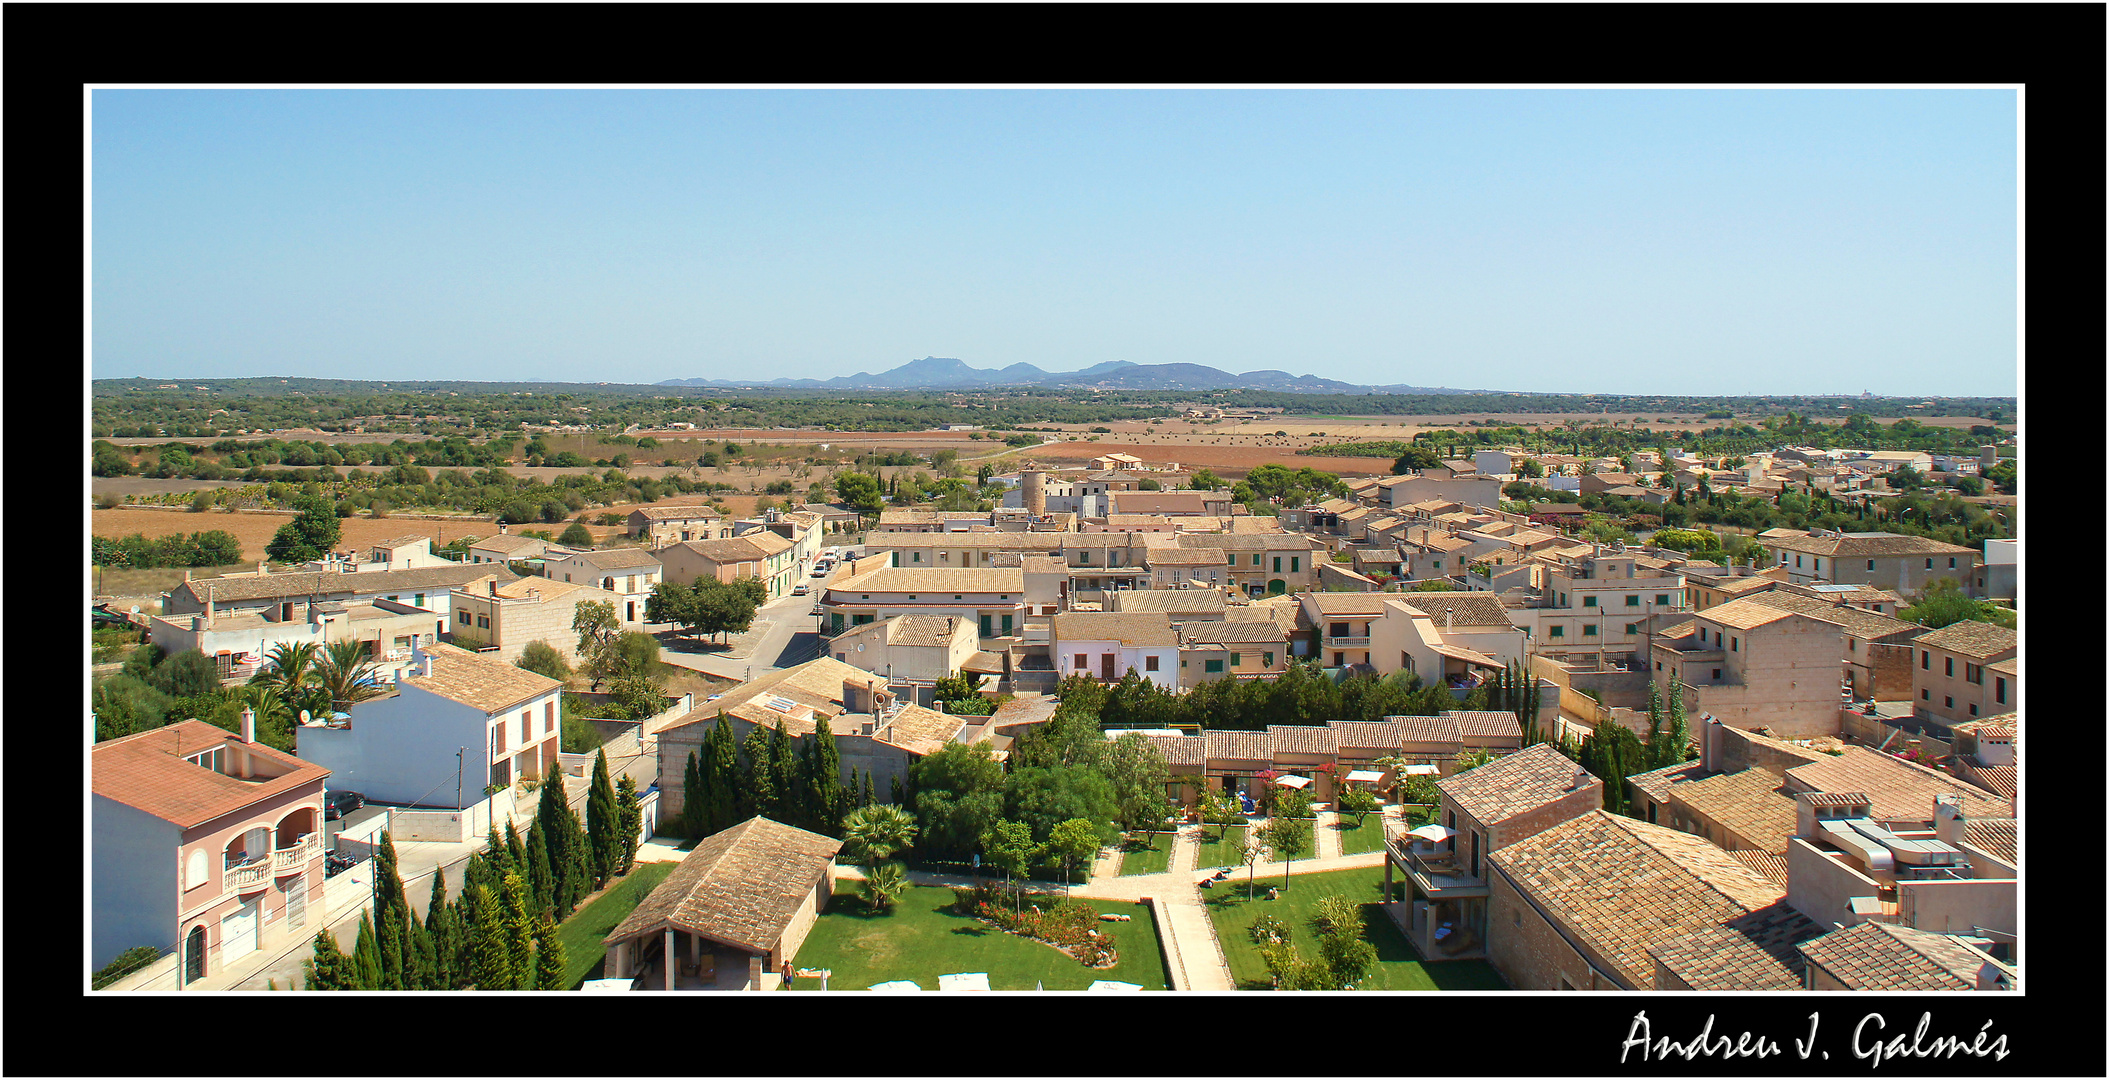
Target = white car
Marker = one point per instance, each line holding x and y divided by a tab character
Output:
800	591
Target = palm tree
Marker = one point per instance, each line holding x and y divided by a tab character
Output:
346	673
291	675
872	834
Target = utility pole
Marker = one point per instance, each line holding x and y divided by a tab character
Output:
459	751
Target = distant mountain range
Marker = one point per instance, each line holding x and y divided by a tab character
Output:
946	373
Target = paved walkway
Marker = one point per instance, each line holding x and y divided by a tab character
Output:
1325	835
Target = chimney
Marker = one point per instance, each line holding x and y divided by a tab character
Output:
210	614
493	583
1449	619
1710	745
501	528
248	724
197	622
426	664
1948	819
263	568
186	577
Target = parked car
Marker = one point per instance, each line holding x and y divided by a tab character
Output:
336	804
801	590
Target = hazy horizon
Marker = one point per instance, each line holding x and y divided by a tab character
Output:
1674	242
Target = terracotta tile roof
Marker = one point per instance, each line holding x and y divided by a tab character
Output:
1428	729
1249	525
1859	622
478	681
1181	749
403	540
1160	502
1620	886
1486	724
753	547
1896	789
1239	746
922	629
1657	784
1344	603
1008	559
1772	868
1224	631
1751	804
1718	958
547	588
921	731
1303	739
148	772
996	541
1128	628
741	886
814	688
2000	780
1250	541
1024	710
506	542
1978	640
1994	836
1037	564
674	513
617	558
1469	608
1365	734
1168	600
1518	783
1865	545
1186	557
1884	956
933	581
324	583
1744	614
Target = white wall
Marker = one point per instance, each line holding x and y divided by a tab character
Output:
401	749
1125	657
135	882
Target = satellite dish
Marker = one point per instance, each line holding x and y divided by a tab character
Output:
303	716
135	609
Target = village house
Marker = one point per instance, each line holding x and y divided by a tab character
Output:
202	840
1107	645
459	723
1455	638
910	650
506	548
629	573
650	519
503	619
1904	565
1219	649
761	555
1756	666
1966	670
991	599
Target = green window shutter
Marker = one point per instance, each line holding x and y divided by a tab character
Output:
1006	626
985	627
1589	631
1212	667
1632	601
1589	601
1267	659
1558	631
1295	563
1234	661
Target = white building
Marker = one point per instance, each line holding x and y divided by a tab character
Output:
1107	646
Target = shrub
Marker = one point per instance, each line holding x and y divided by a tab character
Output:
127	962
1270	930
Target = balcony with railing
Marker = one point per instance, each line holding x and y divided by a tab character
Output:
244	872
1435	868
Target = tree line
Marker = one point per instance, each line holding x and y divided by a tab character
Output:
500	931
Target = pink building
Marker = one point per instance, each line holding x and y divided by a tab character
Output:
204	840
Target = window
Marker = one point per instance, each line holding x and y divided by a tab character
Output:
1083	661
1558	631
1925	695
1589	601
1338	629
1277	564
1438	564
1735	644
195	875
1212	667
1818	564
1870	564
1951	667
1925	660
1632	628
1267	659
1658	665
498	739
1149	663
1632	601
527	726
1233	558
1973	710
1974	674
1296	563
1929	564
1797	562
1717	673
1339	660
1589	630
464	618
1236	659
419	599
1951	564
1999	690
1947	702
483	622
1852	645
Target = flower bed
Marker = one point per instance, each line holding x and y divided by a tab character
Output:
1070	926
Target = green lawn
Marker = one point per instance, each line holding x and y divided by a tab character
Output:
1370	837
922	939
582	933
1150	854
1212	853
1398	966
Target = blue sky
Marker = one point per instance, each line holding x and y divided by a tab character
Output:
1674	241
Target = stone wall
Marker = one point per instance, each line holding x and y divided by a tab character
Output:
1530	952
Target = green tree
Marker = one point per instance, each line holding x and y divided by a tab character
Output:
1045	798
1137	773
541	880
860	492
491	949
597	627
1613	753
759	785
391	918
543	659
630	815
1416	458
1942	603
1205	480
519	931
1248	850
310	535
603	823
443	928
883	885
1287	837
1074	841
577	536
549	956
721	777
329	968
872	835
346	673
366	958
1009	847
1360	802
823	782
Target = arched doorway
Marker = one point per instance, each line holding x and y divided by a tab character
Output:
1277	587
194	955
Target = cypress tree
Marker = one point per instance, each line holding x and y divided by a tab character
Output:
827	777
490	953
761	776
695	809
603	823
631	819
723	764
784	773
329	968
1679	734
578	881
869	797
366	958
893	793
391	913
549	956
515	852
541	878
518	931
497	858
420	962
440	926
1656	749
476	874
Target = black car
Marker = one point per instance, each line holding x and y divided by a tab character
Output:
336	804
